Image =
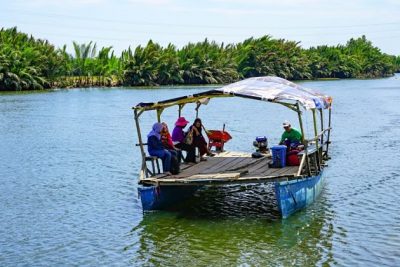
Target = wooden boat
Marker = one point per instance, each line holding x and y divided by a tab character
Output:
295	186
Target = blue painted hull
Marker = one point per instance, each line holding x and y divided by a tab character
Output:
297	194
163	197
291	195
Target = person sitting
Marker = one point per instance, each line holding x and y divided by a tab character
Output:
198	139
291	137
156	148
166	138
176	153
178	139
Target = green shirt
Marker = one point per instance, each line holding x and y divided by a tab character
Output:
292	135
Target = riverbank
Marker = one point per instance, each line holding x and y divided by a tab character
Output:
34	64
73	83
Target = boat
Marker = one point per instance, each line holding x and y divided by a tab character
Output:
295	187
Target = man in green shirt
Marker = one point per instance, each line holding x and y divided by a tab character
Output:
290	135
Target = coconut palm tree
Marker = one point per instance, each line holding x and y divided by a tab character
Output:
27	63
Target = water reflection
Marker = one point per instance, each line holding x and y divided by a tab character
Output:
232	201
68	169
234	226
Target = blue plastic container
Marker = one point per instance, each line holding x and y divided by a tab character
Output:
279	156
148	196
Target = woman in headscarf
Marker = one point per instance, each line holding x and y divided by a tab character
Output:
176	153
198	139
166	138
178	138
156	148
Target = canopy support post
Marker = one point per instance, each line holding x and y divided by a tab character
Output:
329	131
159	111
321	111
300	122
198	104
305	157
180	109
143	168
316	140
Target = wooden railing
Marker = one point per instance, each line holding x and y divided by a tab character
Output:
307	152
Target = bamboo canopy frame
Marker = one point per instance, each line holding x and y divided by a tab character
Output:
268	88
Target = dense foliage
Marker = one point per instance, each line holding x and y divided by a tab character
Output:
27	63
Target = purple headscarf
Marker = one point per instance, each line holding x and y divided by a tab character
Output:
157	127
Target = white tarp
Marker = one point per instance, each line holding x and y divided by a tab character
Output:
271	88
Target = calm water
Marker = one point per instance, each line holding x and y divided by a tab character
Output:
68	174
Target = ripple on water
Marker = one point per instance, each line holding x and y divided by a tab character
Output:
68	168
237	234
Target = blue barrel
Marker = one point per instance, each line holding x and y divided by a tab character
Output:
149	197
278	156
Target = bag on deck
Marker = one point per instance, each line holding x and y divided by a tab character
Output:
292	158
175	164
189	138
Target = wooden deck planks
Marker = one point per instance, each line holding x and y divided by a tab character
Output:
257	165
220	166
236	162
287	170
227	166
244	163
262	164
201	167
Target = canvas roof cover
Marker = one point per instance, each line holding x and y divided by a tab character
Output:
267	88
274	89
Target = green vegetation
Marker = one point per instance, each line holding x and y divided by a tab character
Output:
27	63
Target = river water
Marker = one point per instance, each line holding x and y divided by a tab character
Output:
68	174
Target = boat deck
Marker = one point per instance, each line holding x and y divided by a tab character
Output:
226	167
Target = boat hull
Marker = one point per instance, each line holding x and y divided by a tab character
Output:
297	194
163	197
291	195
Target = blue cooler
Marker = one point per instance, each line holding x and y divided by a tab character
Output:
278	156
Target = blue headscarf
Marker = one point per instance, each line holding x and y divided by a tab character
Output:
157	127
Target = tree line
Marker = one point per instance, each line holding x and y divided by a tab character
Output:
27	63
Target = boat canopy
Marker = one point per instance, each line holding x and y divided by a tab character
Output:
267	88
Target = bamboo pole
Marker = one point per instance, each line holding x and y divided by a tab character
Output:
319	134
290	106
321	111
143	169
305	157
159	112
197	109
316	140
300	122
180	110
329	132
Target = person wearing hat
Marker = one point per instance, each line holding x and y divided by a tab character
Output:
291	136
178	139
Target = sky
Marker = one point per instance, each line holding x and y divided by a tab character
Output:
124	23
